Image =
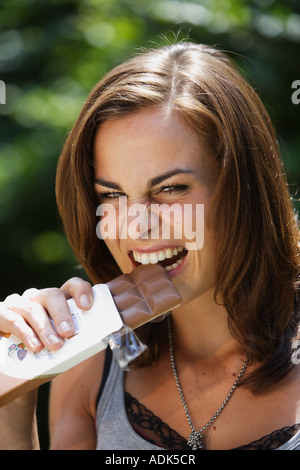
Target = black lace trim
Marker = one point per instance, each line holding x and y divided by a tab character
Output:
151	427
273	440
154	430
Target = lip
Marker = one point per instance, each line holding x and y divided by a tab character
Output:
178	269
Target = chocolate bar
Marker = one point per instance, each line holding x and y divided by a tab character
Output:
144	294
130	299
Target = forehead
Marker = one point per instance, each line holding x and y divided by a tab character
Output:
148	141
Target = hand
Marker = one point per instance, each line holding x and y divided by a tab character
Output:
28	316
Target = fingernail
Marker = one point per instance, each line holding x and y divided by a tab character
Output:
35	342
66	326
85	301
53	339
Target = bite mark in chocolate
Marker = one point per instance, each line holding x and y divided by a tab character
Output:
144	294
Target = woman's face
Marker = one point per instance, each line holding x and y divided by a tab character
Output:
155	174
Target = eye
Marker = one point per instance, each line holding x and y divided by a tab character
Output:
172	188
110	196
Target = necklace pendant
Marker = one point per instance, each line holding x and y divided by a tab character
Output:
195	440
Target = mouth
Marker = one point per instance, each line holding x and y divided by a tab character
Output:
169	258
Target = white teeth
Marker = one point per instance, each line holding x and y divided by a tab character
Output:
173	266
144	258
155	257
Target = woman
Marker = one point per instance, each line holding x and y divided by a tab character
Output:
178	125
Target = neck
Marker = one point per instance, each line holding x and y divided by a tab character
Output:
201	332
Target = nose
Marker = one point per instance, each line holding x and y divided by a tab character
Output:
139	220
150	221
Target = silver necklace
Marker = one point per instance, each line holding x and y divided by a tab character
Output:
195	440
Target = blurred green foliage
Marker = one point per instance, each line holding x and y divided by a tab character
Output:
53	51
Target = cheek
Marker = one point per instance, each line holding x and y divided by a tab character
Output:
108	230
194	226
179	222
107	227
120	256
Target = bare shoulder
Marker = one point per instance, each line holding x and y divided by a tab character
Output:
72	405
292	384
284	396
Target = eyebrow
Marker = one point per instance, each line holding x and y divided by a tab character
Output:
151	182
107	184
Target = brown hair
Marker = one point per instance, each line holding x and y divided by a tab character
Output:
256	230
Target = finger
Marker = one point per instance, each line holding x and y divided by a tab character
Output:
30	293
40	321
80	290
12	323
54	302
37	319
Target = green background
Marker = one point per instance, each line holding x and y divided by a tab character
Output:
52	52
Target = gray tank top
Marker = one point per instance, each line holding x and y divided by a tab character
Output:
114	431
